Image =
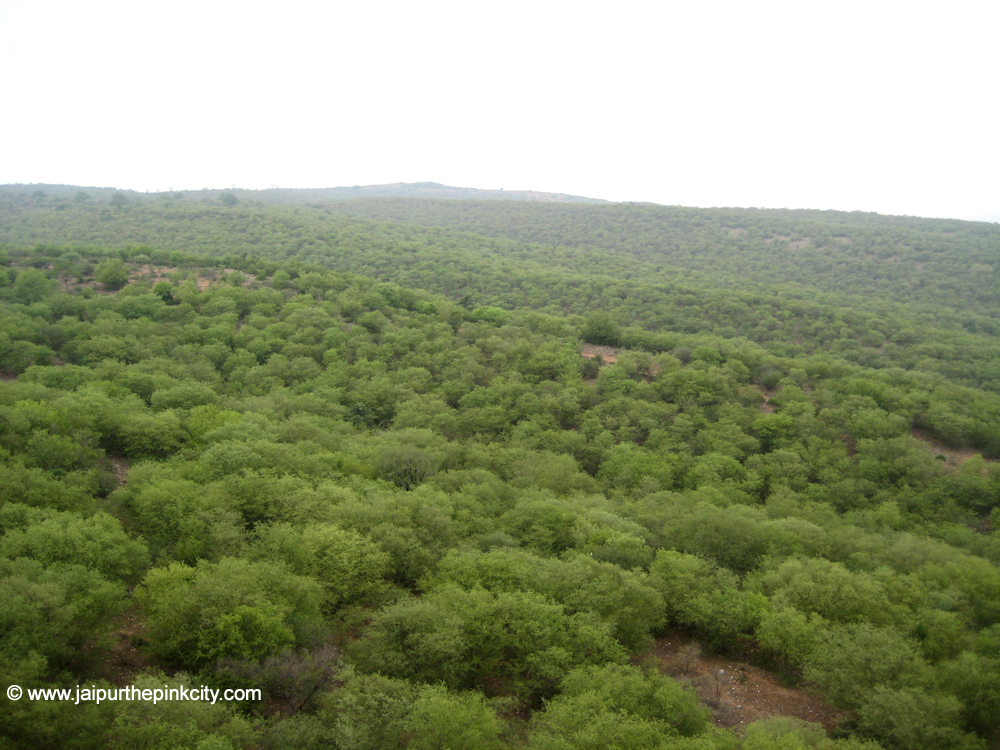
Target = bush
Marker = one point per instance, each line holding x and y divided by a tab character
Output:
519	643
230	609
112	274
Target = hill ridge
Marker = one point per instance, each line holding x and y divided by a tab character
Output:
304	195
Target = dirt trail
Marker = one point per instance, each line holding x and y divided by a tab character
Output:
125	659
765	405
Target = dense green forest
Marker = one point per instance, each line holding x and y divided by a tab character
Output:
451	474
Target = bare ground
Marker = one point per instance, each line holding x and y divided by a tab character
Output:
738	693
953	456
765	405
119	465
126	659
608	353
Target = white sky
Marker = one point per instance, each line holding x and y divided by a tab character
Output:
879	106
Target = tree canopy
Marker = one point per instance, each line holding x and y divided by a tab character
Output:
355	453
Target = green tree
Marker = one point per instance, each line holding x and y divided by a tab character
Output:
910	718
31	285
474	639
230	609
113	274
168	725
440	720
601	328
48	612
350	567
626	600
407	466
98	542
850	661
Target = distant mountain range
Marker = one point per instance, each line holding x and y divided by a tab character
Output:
312	195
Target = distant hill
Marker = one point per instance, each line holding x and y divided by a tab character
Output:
319	195
942	270
415	190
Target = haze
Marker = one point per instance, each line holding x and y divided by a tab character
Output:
884	107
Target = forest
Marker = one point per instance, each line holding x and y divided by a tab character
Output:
497	473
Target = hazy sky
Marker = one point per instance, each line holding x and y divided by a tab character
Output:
879	106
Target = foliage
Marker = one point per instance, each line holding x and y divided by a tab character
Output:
112	273
475	639
369	423
229	609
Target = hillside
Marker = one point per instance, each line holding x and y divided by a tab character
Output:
508	475
883	291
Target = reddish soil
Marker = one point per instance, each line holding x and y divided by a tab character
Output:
608	353
737	693
153	273
953	456
162	273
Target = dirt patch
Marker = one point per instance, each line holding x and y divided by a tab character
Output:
118	465
126	659
799	244
214	278
952	456
766	406
738	693
608	353
248	277
736	231
153	273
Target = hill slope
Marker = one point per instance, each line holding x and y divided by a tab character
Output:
375	470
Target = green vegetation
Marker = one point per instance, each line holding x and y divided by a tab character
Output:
350	453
